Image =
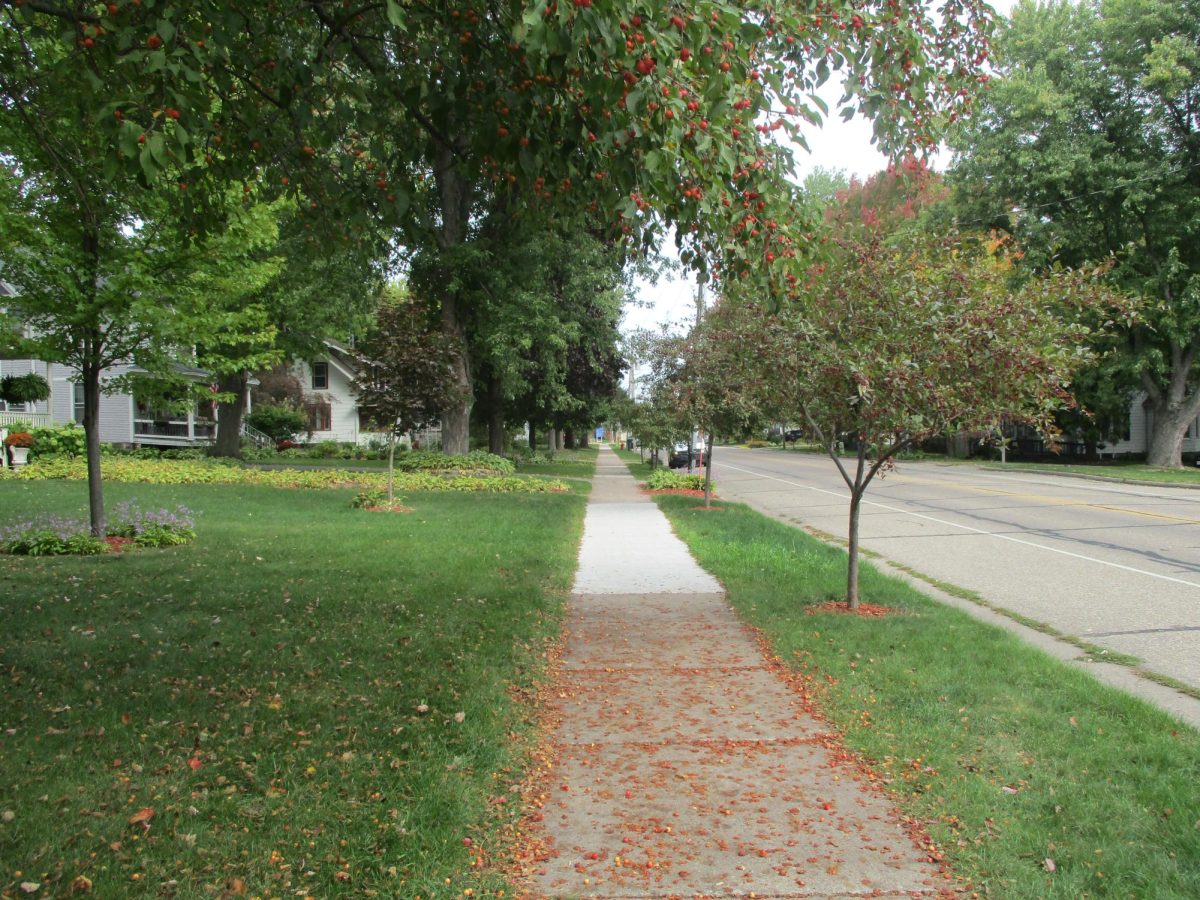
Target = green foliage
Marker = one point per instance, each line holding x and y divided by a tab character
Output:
57	440
477	462
45	541
24	388
152	528
666	479
278	422
130	470
1085	148
372	498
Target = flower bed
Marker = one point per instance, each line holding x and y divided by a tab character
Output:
130	526
146	471
667	480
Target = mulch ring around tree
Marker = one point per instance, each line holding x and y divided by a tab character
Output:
679	492
118	544
864	610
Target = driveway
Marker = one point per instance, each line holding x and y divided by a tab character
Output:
1114	564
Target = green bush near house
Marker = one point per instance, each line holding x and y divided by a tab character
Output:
58	440
278	422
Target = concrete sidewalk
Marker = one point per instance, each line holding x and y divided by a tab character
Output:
684	765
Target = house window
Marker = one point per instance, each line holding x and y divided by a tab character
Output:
77	402
320	416
320	376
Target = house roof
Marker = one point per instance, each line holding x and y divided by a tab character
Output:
341	357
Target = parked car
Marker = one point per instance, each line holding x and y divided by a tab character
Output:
793	435
679	455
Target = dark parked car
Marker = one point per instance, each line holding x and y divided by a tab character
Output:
793	435
679	455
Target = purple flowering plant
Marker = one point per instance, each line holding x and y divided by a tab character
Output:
50	535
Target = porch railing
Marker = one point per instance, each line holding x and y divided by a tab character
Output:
37	420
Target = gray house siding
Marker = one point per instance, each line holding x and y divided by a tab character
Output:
116	411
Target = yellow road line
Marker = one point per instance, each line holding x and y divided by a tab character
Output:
1043	498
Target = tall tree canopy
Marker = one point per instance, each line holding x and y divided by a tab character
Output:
416	114
1089	146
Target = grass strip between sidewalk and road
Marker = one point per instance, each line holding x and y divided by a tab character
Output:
308	700
1035	779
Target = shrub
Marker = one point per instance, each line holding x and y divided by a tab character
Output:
58	440
285	444
279	423
477	462
50	536
19	439
152	528
667	480
185	453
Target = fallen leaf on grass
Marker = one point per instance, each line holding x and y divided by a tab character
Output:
81	885
1009	790
1048	864
142	817
30	887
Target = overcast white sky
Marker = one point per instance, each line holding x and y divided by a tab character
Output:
838	145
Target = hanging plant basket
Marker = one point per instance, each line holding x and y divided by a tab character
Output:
24	388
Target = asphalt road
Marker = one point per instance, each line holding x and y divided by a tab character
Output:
1114	564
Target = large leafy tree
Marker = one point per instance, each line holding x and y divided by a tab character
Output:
418	114
319	289
1089	146
102	283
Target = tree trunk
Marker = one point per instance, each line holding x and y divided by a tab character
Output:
495	417
852	550
91	431
1170	425
229	416
569	440
391	462
454	194
583	440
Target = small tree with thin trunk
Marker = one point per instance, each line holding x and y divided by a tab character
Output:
895	344
720	382
407	371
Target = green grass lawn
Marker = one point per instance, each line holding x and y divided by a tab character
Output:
1010	757
565	464
284	693
1133	471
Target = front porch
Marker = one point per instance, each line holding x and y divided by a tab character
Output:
37	420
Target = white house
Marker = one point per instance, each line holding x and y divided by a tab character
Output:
1135	437
334	413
